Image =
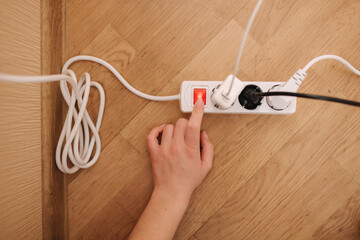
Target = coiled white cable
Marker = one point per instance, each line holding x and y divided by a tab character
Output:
74	141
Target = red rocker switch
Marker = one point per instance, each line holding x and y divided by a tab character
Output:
200	93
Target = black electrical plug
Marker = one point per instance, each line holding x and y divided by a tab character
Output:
248	98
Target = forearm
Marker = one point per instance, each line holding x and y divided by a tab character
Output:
161	217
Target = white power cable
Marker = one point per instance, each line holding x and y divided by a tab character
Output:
76	133
293	84
242	45
333	57
119	77
74	141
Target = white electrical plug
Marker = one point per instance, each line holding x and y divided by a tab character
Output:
292	85
222	98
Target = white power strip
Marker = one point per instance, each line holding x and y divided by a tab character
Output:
191	89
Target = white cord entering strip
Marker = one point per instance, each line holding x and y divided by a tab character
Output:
74	141
118	76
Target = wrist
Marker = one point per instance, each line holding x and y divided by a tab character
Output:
169	200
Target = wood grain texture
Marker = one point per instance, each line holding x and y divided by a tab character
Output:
274	177
20	122
342	223
54	187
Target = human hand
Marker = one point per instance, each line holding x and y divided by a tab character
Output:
178	165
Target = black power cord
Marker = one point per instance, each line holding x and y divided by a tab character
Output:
309	96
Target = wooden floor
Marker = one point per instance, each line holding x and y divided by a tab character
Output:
274	177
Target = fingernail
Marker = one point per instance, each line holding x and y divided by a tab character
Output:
205	134
199	102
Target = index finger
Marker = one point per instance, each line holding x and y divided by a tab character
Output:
192	134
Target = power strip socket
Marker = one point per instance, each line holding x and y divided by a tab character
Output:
191	89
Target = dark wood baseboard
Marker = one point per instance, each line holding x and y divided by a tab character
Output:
54	186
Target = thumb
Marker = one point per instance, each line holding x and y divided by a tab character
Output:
207	153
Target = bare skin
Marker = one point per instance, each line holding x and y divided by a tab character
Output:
178	168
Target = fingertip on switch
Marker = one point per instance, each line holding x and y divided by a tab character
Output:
199	93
